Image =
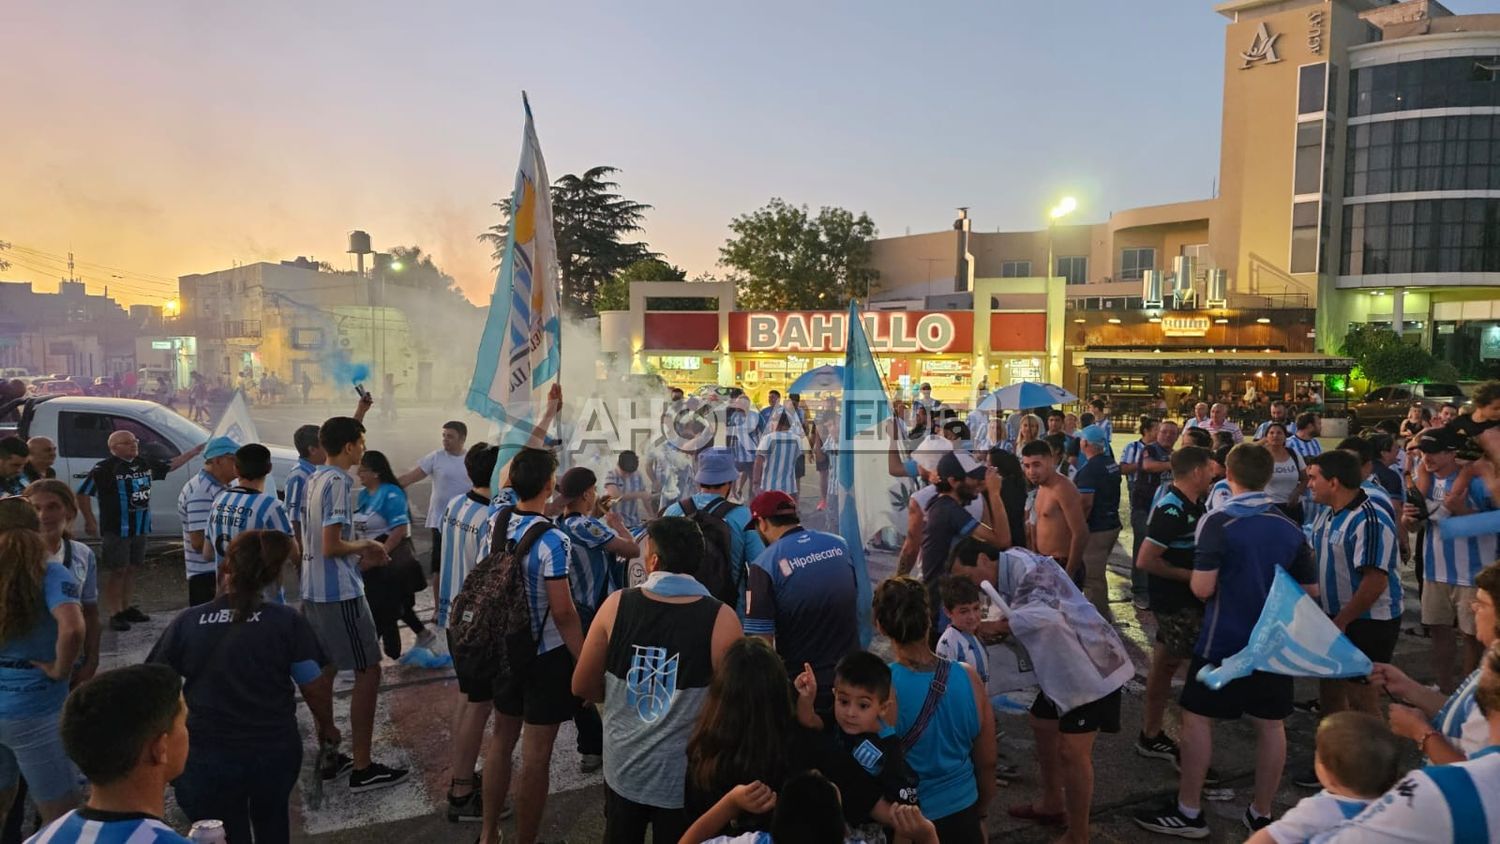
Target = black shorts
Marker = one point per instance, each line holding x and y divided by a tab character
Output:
1102	715
1376	638
1260	695
543	693
473	690
437	551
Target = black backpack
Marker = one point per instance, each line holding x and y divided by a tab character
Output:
489	632
717	572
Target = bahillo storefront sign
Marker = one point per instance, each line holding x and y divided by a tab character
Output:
929	332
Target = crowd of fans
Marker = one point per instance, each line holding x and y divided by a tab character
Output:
715	653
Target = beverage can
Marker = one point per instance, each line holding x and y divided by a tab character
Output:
208	832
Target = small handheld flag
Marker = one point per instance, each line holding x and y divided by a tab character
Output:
1293	637
235	423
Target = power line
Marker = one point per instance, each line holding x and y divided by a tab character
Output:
160	278
144	278
94	281
62	268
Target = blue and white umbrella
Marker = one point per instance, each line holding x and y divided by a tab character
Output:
822	379
1024	395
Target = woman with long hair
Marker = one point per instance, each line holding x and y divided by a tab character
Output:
239	658
41	635
56	508
744	731
953	753
1029	429
382	514
1288	475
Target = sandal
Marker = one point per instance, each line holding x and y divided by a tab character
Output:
1028	812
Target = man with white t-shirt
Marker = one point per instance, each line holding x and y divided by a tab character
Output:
449	480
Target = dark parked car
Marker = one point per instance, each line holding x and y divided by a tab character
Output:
1393	401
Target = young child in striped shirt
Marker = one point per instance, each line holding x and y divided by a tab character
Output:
964	606
1358	759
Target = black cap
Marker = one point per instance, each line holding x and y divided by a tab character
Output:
1435	440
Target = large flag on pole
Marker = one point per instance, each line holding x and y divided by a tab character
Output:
520	353
862	469
1293	637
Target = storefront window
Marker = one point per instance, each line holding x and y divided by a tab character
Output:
1472	347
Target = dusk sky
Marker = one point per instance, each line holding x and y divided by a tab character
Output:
168	138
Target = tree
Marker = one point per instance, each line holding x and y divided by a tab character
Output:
782	258
590	221
614	295
1384	357
418	271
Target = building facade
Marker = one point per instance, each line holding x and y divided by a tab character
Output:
1359	182
70	332
294	320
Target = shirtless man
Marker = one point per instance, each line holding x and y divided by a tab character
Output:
1061	530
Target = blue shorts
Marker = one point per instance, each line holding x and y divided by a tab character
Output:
33	747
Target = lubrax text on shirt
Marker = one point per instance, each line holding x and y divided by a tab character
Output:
224	617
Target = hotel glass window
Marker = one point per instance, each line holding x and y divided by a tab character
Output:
1135	261
1074	268
1449	82
1312	86
1461	152
1307	176
1304	258
1015	269
1421	236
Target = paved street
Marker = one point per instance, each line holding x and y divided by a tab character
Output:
416	704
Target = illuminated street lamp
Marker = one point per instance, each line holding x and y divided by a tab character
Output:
1062	209
171	307
396	266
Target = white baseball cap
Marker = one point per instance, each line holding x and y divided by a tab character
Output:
930	451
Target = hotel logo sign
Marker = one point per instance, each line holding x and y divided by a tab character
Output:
1184	326
1262	48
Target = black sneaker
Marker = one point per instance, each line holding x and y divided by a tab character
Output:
341	765
376	776
1306	778
1253	823
1171	821
134	615
118	623
1312	705
1158	747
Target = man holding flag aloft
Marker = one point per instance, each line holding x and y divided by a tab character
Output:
1241	546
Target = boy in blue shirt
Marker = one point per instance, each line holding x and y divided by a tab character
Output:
863	710
108	725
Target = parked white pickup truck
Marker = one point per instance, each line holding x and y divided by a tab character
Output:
81	425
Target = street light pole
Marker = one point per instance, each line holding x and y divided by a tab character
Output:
1063	208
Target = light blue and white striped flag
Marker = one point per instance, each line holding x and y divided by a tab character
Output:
863	413
1293	637
520	353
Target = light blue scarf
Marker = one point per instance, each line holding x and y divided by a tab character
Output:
1248	504
669	585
